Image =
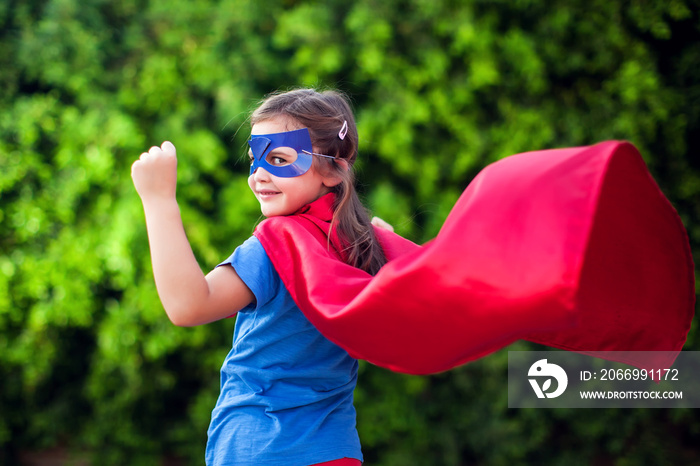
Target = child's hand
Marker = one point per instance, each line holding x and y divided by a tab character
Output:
378	222
155	173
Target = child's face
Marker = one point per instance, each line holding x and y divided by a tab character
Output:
284	196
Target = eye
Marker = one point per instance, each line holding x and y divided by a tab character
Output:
281	156
251	159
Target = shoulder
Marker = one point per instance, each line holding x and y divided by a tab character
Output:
253	266
288	230
251	250
280	222
251	246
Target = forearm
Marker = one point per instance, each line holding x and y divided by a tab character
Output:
181	284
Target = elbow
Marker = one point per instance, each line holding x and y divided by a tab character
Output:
182	316
179	322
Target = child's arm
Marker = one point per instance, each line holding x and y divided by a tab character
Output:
189	297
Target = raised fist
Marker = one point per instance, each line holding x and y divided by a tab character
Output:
155	172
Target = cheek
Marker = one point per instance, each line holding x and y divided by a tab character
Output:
251	183
282	184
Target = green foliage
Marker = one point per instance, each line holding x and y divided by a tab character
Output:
89	361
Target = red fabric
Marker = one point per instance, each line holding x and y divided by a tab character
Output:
341	462
572	248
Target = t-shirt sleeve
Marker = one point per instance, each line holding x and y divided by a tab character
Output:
253	266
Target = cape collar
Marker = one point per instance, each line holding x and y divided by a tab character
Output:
321	208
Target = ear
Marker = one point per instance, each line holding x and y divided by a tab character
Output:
332	181
344	165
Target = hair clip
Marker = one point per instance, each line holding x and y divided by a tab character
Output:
343	131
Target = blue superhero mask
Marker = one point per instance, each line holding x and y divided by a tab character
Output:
286	155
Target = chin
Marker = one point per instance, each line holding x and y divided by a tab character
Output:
272	212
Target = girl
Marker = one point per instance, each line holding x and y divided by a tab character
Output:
549	246
286	391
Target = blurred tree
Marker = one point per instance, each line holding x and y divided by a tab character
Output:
88	359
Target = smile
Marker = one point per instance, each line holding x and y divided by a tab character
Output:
266	194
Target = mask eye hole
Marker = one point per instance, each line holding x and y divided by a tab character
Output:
281	156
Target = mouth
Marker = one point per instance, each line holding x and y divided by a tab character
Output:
267	194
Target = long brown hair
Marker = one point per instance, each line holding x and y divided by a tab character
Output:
324	114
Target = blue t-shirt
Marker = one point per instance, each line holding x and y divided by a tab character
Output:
286	391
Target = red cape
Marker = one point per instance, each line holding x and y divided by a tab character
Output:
572	248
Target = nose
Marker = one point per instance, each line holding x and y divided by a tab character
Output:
260	174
